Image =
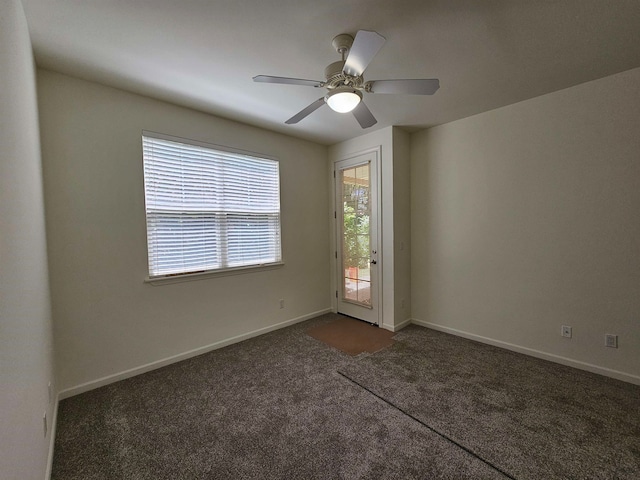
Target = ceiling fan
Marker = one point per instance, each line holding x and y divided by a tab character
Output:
345	83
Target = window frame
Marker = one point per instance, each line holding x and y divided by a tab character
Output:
223	271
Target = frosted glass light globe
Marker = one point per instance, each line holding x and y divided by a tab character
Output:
343	100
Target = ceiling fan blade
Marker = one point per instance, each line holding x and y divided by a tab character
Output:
306	111
364	116
426	86
364	48
286	80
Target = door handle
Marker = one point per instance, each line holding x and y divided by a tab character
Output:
373	262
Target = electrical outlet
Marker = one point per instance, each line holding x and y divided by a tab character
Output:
566	331
611	340
44	422
282	303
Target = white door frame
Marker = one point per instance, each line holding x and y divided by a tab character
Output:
374	155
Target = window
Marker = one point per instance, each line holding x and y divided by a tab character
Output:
208	208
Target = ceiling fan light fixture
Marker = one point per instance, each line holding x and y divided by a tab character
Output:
343	99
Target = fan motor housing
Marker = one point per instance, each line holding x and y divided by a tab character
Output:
337	78
333	70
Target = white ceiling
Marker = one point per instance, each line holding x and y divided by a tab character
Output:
204	53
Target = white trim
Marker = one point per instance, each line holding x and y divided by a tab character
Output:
221	272
589	367
100	382
52	437
336	277
400	326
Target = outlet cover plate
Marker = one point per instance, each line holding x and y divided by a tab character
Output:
611	340
565	331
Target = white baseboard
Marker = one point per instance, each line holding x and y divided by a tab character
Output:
398	327
100	382
52	438
607	372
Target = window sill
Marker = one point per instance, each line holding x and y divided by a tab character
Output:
190	277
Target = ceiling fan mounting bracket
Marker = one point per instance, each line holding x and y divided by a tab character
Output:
342	43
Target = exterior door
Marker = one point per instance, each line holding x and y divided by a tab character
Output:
357	237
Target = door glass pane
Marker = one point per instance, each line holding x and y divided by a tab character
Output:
356	285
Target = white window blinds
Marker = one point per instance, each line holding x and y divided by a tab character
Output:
208	209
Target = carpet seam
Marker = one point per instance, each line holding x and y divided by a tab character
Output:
440	434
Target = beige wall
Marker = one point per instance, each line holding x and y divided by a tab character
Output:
107	320
526	218
26	361
402	226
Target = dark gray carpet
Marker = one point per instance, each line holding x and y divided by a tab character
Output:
276	407
531	418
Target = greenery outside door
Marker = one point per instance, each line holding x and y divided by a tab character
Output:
356	228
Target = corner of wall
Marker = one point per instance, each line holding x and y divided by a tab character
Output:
27	406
